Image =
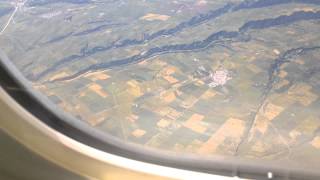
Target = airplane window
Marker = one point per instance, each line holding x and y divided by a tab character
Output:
224	78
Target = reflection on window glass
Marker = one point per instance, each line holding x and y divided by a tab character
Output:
224	77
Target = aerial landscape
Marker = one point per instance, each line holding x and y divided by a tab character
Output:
234	78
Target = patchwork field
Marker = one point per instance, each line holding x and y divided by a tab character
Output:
228	78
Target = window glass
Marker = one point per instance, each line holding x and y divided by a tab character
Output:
232	78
